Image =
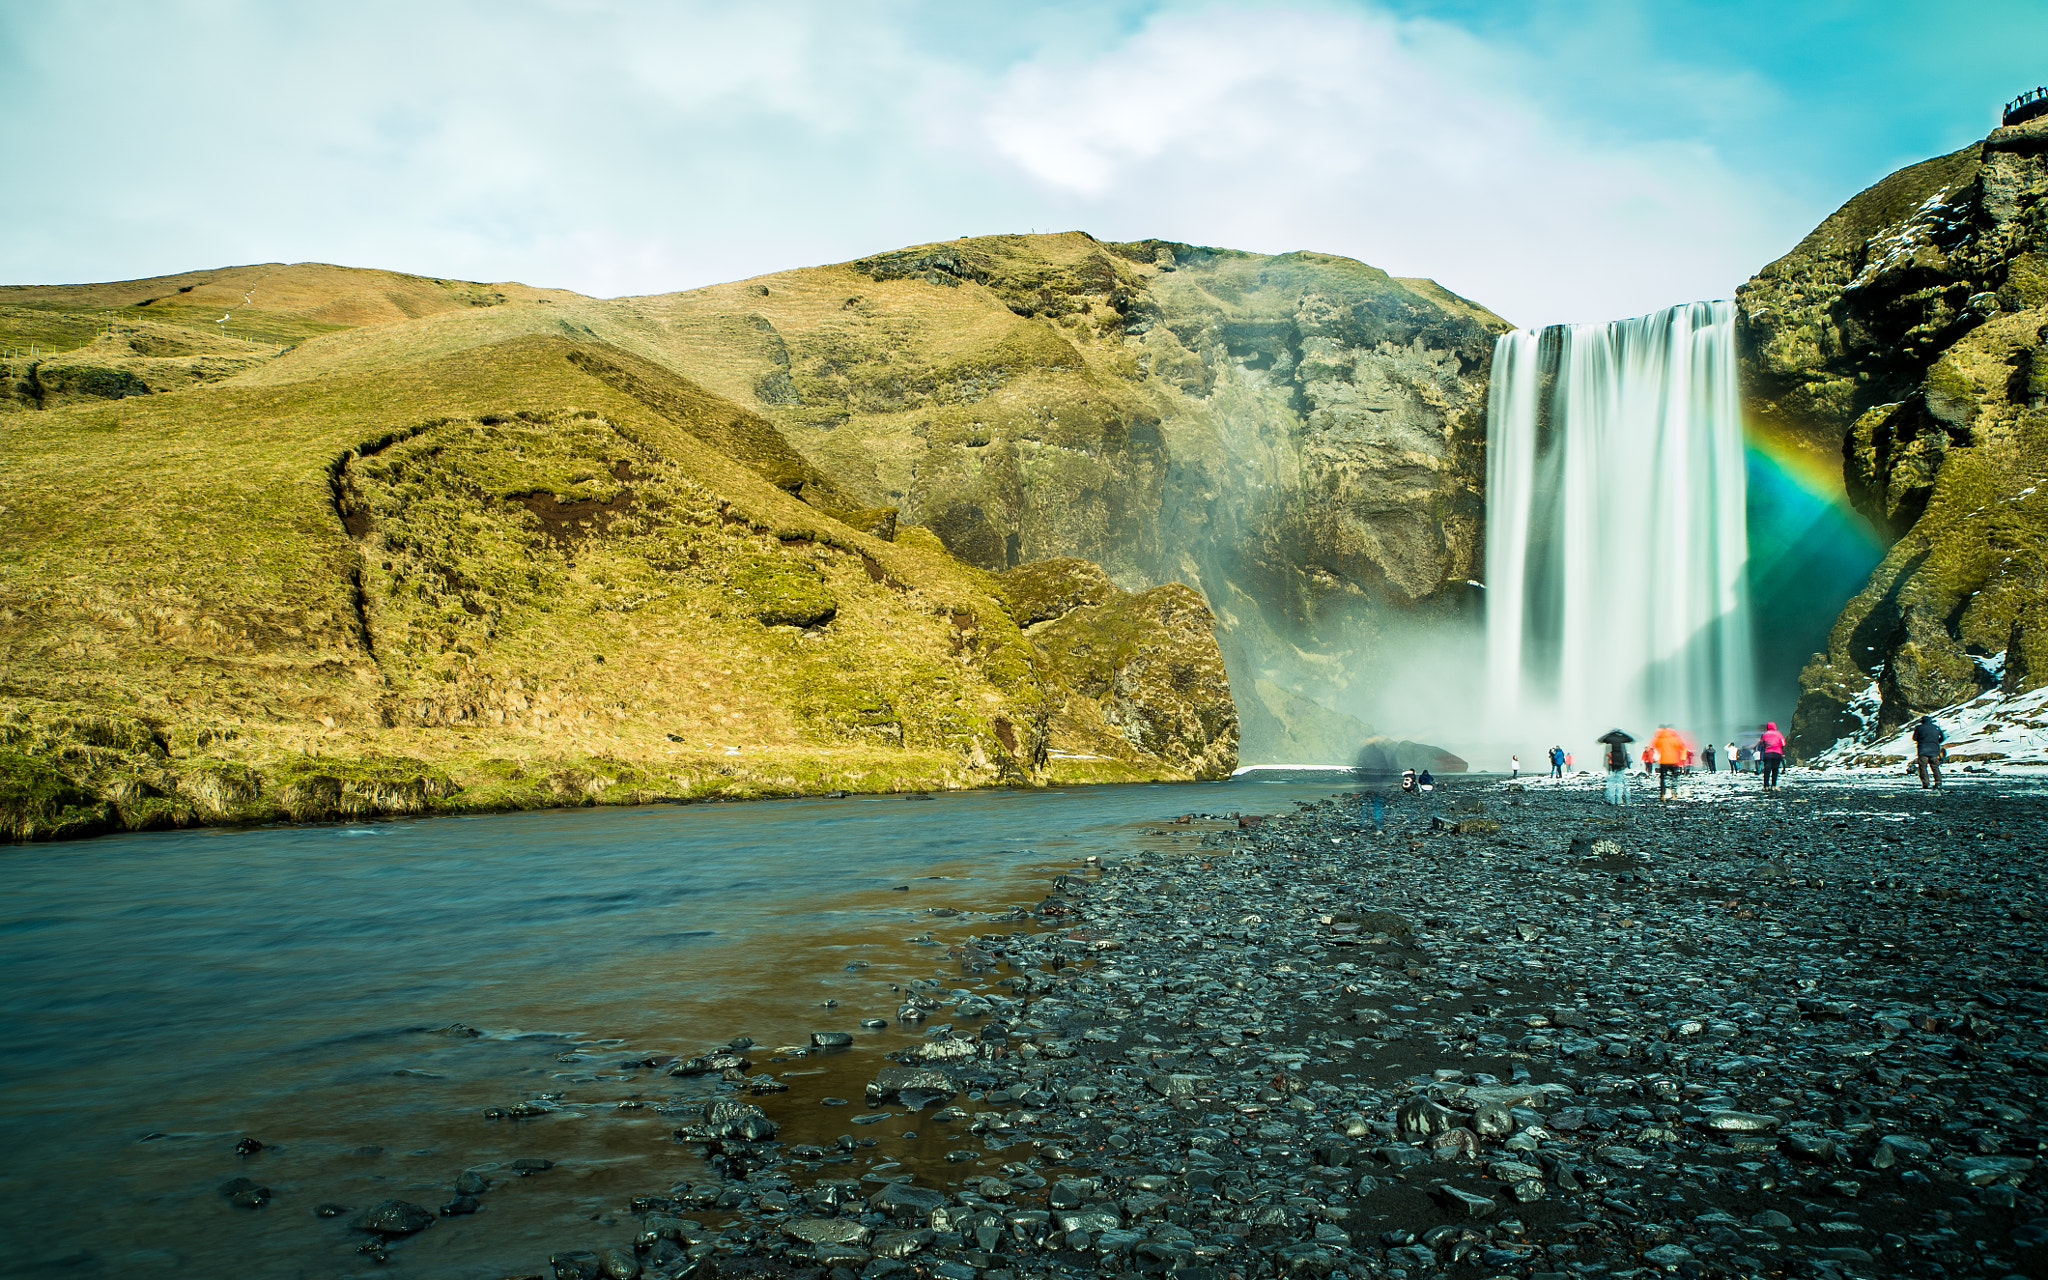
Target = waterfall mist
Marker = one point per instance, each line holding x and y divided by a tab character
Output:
1616	546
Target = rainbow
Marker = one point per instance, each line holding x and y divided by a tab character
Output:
1810	551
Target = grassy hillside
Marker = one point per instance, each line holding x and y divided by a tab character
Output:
495	555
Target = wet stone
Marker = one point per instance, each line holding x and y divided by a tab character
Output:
245	1193
394	1218
1682	1046
1467	1203
580	1264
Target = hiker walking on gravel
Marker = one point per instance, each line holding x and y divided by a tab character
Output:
1772	744
1927	751
1669	749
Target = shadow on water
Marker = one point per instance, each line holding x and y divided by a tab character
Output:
166	995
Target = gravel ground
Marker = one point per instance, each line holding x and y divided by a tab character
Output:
1524	1034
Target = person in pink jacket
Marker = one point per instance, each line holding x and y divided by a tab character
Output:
1771	744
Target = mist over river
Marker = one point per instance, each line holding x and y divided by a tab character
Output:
167	995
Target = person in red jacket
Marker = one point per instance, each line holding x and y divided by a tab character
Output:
1771	744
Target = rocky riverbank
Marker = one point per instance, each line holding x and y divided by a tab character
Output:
1524	1035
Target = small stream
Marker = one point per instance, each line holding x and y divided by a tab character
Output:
168	995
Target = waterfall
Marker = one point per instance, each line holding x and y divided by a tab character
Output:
1615	541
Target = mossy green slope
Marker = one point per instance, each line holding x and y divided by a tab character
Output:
481	560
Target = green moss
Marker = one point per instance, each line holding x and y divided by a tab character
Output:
2026	282
37	801
155	813
783	591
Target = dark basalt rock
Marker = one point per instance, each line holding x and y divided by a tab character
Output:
245	1193
394	1218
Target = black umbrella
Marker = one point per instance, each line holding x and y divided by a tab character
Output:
1615	736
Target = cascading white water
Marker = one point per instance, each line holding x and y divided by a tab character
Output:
1615	540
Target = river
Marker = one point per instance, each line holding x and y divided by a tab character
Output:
168	995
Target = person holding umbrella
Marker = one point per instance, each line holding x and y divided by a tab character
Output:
1617	765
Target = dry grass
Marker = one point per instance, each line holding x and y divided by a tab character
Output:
566	574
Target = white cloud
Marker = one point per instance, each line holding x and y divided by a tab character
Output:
1405	143
617	148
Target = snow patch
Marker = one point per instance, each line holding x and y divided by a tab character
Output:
1993	732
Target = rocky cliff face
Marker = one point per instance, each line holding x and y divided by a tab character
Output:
1907	334
1133	678
1300	436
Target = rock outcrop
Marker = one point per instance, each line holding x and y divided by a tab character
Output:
1137	677
1906	335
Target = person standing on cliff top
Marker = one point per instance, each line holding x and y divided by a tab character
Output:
1670	751
1771	744
1514	766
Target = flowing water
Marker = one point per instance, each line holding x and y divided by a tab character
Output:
167	995
1616	546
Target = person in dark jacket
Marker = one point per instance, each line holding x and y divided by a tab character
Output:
1707	754
1927	740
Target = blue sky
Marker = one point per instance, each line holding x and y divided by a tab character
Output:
1556	160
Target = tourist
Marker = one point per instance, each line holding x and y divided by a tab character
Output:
1617	773
1670	751
1730	756
1927	750
1408	781
1567	762
1557	762
1514	766
1649	761
1770	744
1742	759
1707	754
